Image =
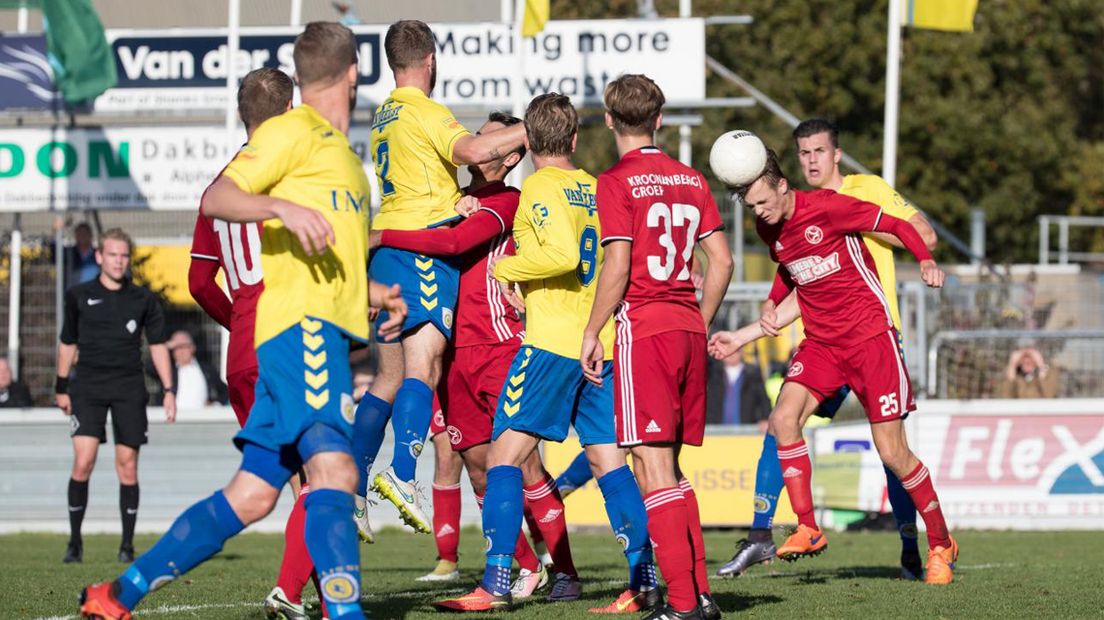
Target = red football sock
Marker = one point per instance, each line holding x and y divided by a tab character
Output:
693	519
797	473
546	506
668	527
920	489
523	553
534	529
296	566
446	520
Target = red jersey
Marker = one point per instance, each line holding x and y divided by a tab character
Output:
664	208
820	251
482	315
237	249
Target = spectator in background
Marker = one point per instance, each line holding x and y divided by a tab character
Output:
1028	376
196	384
80	259
12	393
736	394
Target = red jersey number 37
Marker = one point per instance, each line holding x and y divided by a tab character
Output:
670	219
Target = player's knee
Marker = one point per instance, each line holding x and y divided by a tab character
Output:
604	458
332	470
250	497
82	468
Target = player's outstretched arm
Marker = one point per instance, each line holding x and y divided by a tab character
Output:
389	299
612	282
444	241
930	273
725	343
206	291
479	149
226	201
718	274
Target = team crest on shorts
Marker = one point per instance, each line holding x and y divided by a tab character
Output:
341	588
348	408
74	423
796	369
439	417
455	436
814	235
446	316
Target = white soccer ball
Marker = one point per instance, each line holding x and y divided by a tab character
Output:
738	157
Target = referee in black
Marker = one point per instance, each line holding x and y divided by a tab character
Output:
104	321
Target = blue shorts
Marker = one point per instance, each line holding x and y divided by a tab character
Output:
546	393
830	406
304	392
429	286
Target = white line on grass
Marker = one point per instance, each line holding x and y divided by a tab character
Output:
172	609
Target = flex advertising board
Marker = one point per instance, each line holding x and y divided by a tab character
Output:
1023	464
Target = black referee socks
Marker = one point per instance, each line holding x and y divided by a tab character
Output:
128	510
78	502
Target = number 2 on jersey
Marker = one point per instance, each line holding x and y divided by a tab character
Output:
383	168
675	216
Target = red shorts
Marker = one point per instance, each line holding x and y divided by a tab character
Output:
474	376
242	387
437	422
874	370
659	388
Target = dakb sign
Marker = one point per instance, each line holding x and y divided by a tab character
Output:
996	464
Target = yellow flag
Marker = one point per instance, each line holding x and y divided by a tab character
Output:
536	14
949	15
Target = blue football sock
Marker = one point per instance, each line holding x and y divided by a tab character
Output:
904	511
629	520
768	484
197	534
577	473
502	513
332	542
372	414
410	420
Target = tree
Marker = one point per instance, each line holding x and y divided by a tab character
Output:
1009	118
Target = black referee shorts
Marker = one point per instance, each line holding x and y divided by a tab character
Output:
91	399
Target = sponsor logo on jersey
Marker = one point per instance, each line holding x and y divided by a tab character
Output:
813	268
94	302
814	235
131	325
796	369
387	114
778	247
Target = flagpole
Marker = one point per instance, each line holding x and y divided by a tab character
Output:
517	84
892	93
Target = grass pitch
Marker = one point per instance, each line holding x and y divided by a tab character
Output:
1001	575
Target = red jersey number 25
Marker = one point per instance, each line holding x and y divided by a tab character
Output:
669	219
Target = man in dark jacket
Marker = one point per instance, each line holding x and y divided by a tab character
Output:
735	393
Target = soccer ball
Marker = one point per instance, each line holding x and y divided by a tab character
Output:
738	157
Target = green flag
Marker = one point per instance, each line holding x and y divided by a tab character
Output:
83	63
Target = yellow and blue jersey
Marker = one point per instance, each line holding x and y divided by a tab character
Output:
556	232
412	142
300	157
874	189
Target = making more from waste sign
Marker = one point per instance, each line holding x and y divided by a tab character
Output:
187	69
